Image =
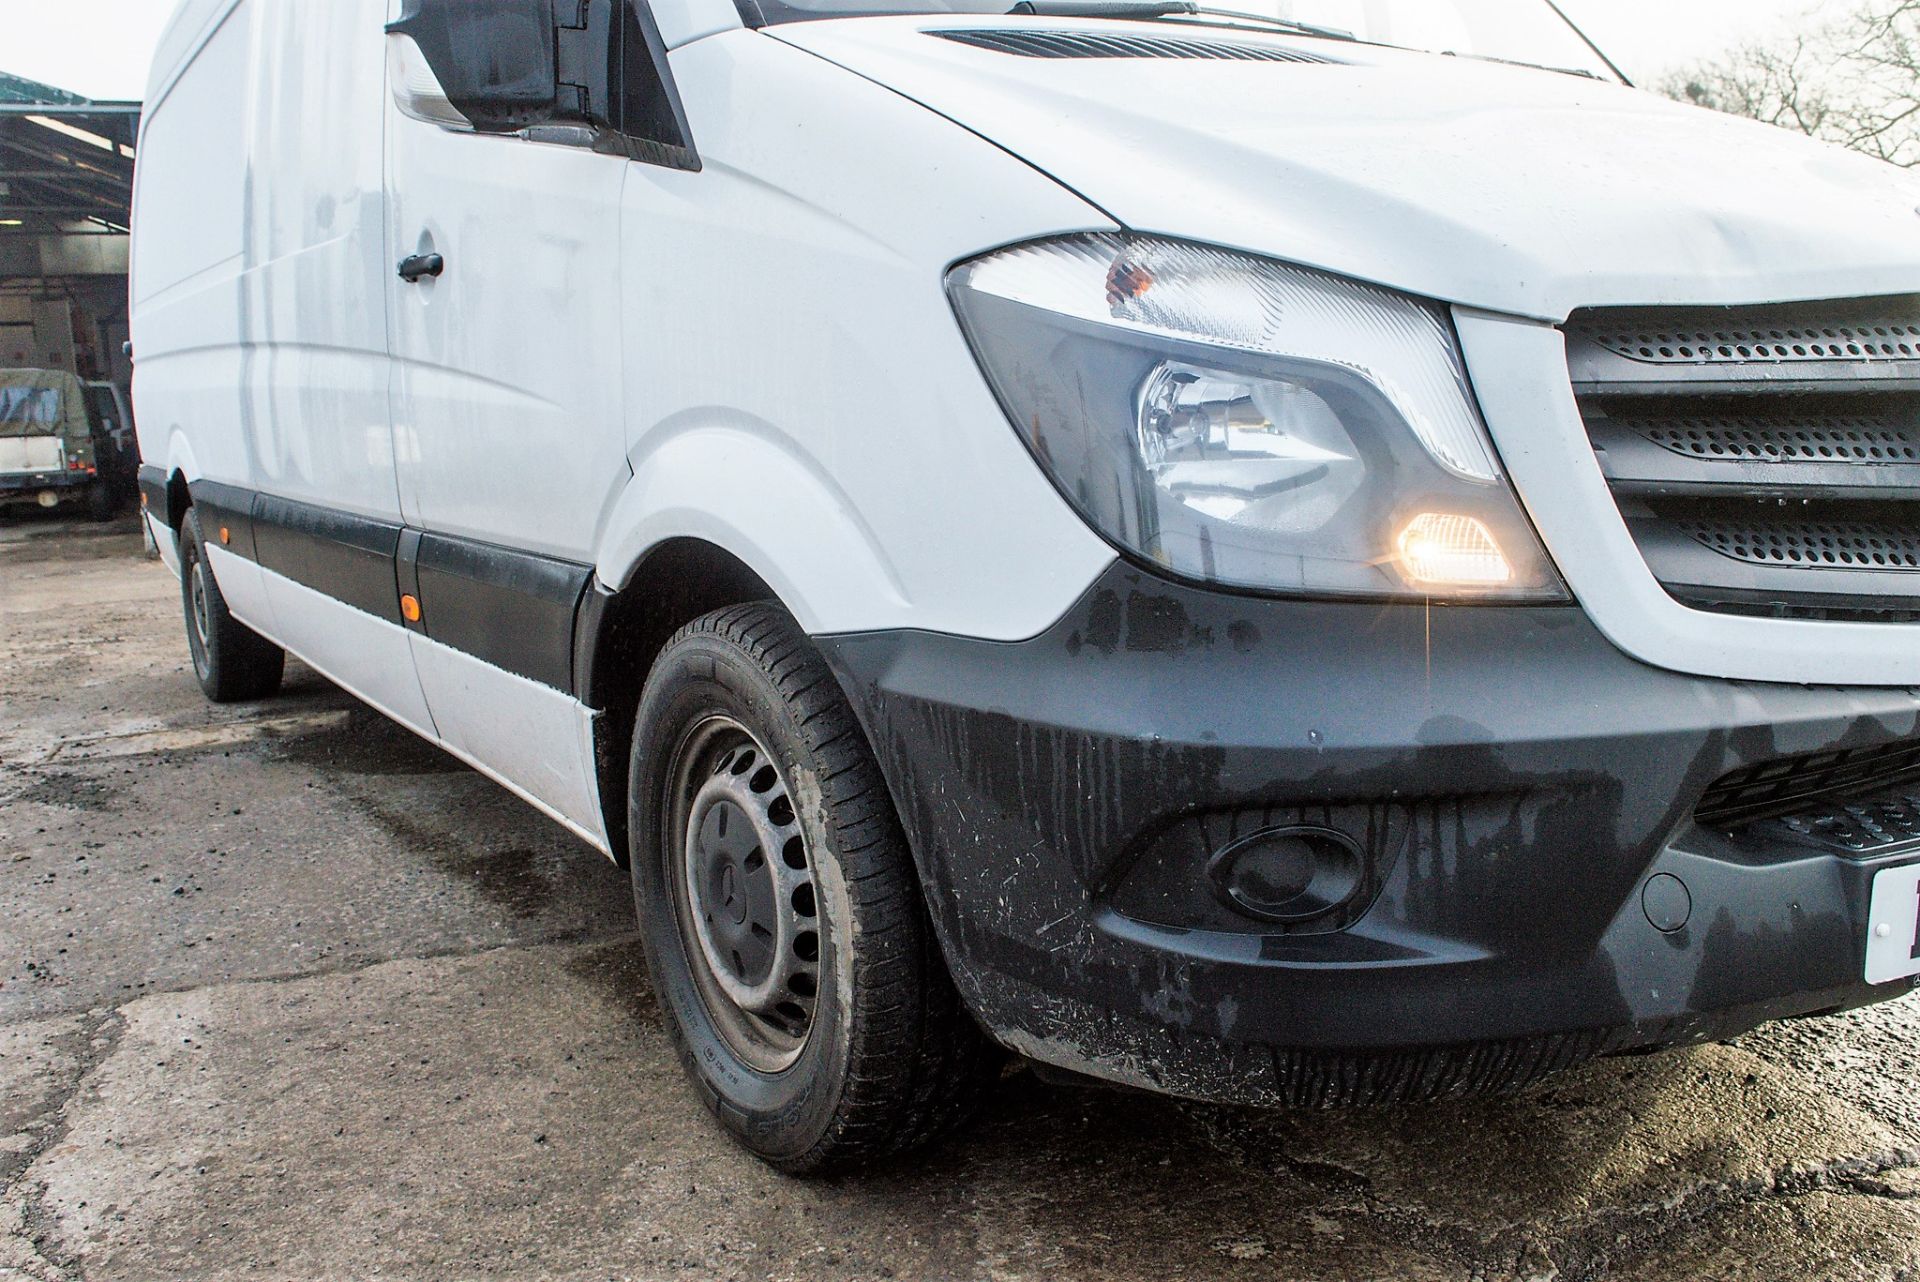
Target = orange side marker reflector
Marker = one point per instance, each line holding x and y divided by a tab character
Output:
144	505
410	609
226	536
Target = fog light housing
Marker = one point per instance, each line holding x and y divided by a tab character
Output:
1289	875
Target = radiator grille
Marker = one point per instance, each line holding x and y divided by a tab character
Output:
1849	438
1871	827
1852	544
1792	784
1697	339
1766	461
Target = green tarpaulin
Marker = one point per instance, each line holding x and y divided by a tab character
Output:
46	402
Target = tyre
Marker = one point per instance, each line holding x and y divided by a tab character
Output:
783	924
234	663
102	503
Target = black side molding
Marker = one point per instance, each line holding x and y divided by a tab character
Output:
512	609
153	489
226	516
347	556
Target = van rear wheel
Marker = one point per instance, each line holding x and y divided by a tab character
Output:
234	664
783	924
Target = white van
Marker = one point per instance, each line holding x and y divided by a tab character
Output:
1333	556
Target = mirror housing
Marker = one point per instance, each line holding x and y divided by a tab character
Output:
509	65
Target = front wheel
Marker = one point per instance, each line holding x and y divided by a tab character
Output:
782	920
234	664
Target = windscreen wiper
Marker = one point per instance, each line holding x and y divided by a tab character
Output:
1278	24
1147	10
1515	62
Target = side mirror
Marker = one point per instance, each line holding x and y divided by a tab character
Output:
497	61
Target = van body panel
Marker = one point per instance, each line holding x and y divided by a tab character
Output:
793	368
370	657
1503	188
541	754
505	405
314	304
188	255
509	432
243	584
684	21
191	224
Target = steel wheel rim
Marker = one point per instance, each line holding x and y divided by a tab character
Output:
197	611
743	888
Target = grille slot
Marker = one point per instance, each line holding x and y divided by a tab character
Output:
1088	44
1680	345
1859	828
1766	461
1849	544
1822	438
1790	785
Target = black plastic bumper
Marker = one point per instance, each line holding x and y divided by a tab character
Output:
1515	781
19	485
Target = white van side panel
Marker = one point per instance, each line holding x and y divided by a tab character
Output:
192	149
314	303
531	737
684	21
335	641
188	256
506	369
187	247
798	389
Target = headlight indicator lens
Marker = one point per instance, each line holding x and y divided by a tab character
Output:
1452	551
1249	423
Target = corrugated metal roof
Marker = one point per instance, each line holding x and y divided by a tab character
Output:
66	163
21	89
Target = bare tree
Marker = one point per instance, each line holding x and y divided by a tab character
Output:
1855	81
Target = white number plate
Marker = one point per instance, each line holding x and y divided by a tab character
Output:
1893	926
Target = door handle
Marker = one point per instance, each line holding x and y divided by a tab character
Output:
416	267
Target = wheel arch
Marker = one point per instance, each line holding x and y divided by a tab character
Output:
182	471
620	633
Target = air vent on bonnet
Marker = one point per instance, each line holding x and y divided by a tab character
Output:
1088	44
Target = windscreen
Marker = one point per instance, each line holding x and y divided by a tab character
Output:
1533	32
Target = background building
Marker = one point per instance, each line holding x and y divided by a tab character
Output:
66	193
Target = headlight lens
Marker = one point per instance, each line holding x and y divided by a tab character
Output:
1249	423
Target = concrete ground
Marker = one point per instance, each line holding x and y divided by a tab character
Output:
287	994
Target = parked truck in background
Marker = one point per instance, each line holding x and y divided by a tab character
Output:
56	447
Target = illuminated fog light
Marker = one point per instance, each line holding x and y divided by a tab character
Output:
1440	548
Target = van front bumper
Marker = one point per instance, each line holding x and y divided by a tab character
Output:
1520	790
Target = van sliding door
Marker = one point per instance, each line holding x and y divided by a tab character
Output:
320	510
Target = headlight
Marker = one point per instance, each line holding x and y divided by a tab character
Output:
1249	423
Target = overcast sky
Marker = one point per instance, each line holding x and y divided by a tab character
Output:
101	48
